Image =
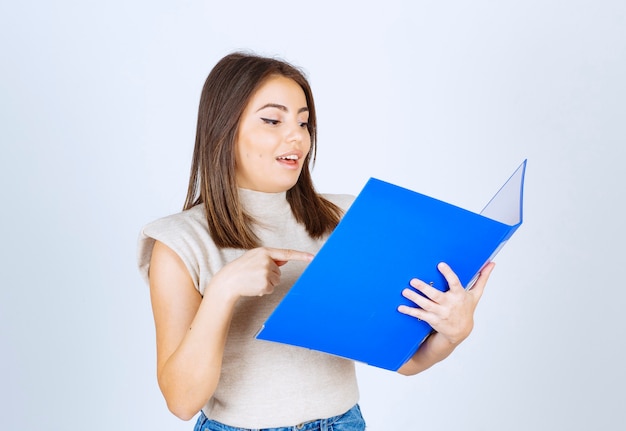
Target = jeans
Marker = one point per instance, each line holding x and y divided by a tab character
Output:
349	421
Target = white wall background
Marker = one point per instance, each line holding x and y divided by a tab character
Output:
97	116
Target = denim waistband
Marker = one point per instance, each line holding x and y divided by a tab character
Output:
348	421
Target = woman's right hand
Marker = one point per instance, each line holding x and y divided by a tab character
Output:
257	271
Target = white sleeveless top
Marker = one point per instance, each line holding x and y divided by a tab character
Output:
262	384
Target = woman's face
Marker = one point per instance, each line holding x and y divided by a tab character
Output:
273	140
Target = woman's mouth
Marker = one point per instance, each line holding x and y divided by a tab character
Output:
288	159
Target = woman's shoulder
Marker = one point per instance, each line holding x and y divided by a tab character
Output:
185	232
343	201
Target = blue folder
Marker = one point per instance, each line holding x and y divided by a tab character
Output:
345	302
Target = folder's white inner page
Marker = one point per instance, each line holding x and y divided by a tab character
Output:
506	205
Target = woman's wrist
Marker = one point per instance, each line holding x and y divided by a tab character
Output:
218	294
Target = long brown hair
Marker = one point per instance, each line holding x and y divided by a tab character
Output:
212	182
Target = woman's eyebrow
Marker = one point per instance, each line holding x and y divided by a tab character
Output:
281	107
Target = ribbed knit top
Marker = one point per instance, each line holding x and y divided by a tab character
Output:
262	384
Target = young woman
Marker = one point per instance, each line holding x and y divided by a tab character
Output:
251	222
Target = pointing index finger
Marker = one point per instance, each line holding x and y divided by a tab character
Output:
284	255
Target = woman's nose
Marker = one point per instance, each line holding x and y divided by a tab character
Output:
296	132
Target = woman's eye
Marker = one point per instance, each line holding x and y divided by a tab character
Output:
304	125
270	121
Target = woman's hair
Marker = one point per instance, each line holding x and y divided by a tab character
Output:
212	182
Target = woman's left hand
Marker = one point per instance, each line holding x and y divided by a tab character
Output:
450	313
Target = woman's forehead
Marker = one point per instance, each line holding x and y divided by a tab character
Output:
280	90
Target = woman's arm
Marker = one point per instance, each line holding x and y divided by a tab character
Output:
451	314
191	333
191	330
